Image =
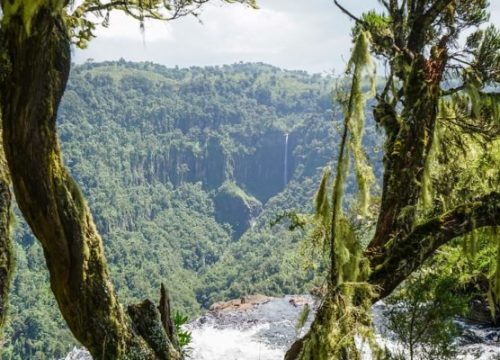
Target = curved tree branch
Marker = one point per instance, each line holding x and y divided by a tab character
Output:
408	254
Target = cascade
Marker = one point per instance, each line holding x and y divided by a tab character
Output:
265	329
285	173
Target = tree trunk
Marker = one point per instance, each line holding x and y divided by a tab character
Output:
407	154
6	252
51	201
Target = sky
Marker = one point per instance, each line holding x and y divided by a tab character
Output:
311	35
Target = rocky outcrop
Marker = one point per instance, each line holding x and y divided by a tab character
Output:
245	303
236	208
480	313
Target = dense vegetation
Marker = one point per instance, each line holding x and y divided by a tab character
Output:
166	158
436	89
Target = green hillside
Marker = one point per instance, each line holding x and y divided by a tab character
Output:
184	170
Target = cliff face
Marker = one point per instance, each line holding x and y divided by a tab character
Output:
259	168
262	171
210	125
236	208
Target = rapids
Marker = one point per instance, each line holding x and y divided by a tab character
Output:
265	331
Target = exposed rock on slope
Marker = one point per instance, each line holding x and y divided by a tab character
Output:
235	207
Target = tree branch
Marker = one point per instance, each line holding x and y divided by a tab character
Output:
452	91
386	5
348	13
422	23
436	9
107	6
406	255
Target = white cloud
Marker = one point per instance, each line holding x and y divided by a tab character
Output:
311	35
122	27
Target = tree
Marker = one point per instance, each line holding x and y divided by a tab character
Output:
433	81
422	316
6	253
35	39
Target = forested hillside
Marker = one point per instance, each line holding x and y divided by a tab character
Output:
184	169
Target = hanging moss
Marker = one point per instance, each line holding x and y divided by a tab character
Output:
360	65
445	111
346	311
322	204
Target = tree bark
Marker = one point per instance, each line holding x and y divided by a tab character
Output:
407	154
51	201
6	251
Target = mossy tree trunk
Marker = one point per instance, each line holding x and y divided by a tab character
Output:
6	251
406	155
6	216
410	253
52	203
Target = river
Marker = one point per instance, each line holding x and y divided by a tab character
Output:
265	331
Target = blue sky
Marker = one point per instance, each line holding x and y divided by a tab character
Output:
310	35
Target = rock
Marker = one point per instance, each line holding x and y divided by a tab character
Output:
469	336
78	354
236	208
298	300
318	291
493	336
242	304
479	312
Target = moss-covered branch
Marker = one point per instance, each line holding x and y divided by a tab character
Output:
406	255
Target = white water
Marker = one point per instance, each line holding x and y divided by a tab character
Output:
265	332
232	344
285	173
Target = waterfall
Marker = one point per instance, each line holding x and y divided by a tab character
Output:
285	173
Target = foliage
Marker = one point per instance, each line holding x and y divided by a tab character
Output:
345	311
422	315
151	146
183	336
472	153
